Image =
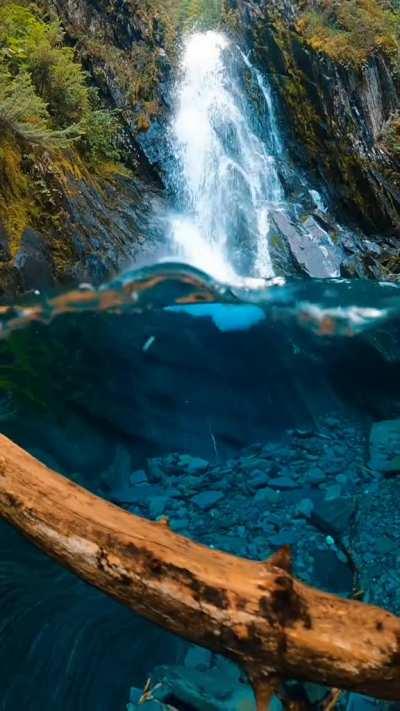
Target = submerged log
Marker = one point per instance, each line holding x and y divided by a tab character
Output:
257	614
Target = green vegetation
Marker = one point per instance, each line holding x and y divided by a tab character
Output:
348	31
51	121
44	95
200	12
24	113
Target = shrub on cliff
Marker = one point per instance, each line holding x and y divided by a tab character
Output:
99	136
31	44
350	30
45	96
24	114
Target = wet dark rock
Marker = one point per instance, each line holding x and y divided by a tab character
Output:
102	232
105	229
310	247
34	262
132	40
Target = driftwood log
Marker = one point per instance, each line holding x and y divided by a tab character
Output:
256	613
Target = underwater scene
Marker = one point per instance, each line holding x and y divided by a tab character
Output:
252	419
209	341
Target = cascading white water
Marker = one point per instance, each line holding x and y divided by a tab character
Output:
226	176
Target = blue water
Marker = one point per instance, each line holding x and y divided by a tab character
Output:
256	405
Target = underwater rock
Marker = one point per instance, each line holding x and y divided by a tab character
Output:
315	476
193	465
211	690
207	499
265	496
333	492
384	446
157	506
334	515
155	469
305	507
358	702
258	479
374	540
138	477
75	443
331	573
283	538
198	658
283	482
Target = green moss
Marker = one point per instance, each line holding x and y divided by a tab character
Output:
16	203
294	87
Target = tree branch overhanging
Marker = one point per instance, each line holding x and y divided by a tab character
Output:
257	614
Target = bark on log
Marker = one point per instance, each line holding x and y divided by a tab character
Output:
257	614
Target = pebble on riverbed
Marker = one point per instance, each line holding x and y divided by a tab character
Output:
312	490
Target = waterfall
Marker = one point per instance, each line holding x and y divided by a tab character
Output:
225	177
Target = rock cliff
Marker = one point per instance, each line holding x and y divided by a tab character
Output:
341	110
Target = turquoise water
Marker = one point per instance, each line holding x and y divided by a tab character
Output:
251	417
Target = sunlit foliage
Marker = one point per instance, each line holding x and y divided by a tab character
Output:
350	30
44	94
